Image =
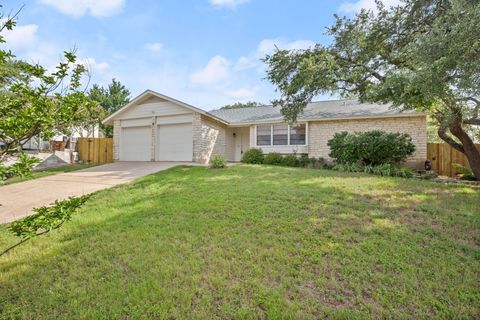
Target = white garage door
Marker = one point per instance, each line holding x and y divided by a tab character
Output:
135	144
174	142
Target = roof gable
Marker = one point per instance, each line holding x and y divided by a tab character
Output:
156	100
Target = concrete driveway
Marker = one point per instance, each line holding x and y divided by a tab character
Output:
17	200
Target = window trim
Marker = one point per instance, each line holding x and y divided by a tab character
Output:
281	145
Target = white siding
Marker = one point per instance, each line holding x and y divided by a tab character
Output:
163	108
136	122
185	118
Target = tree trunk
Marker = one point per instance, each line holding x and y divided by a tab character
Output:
468	147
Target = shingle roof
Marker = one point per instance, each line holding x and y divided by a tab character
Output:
314	110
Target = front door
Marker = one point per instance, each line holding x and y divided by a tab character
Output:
242	142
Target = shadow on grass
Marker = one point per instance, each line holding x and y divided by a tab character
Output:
297	241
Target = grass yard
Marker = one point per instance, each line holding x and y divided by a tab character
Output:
48	172
254	242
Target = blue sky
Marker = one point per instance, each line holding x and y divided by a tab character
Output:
204	52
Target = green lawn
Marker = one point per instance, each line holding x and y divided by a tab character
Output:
254	242
48	172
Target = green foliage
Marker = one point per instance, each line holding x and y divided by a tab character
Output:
303	160
112	98
465	172
347	167
317	163
21	168
419	55
290	160
240	105
24	165
253	156
217	162
273	158
335	247
34	102
372	147
47	218
388	169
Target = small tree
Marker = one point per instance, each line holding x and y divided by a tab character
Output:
422	55
112	98
34	102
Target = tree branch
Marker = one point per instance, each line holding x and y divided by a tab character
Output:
472	121
442	133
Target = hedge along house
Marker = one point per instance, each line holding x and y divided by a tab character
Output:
154	127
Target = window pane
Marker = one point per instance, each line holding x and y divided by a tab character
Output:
297	134
264	136
280	134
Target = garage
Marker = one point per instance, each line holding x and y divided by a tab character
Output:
174	142
135	144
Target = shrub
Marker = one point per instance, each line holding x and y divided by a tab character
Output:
316	163
24	165
22	168
347	167
273	158
217	161
465	172
290	160
388	169
303	160
253	156
371	148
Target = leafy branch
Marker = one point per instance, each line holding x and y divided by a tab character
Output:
46	219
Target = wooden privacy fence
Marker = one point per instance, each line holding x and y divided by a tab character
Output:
95	150
443	156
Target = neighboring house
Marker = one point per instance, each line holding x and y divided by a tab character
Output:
154	127
36	143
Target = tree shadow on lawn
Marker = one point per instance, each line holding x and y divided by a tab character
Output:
267	242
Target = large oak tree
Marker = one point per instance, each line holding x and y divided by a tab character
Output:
422	55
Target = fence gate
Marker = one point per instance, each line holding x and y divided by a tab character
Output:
443	156
95	150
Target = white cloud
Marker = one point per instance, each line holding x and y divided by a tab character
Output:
154	46
216	70
94	65
232	4
242	93
24	42
244	63
268	46
96	8
353	7
21	36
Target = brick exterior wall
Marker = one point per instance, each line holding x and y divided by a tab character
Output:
322	131
209	138
117	131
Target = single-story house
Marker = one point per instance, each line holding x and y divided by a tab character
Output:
154	127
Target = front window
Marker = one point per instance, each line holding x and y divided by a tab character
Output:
281	135
264	135
297	134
